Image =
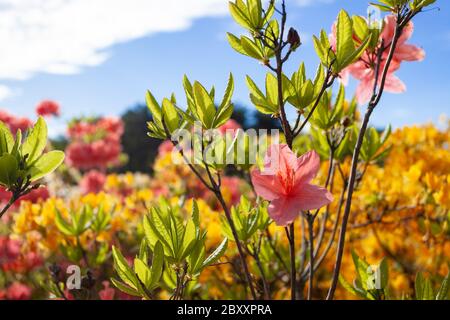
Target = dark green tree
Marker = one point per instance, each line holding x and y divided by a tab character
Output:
141	150
137	145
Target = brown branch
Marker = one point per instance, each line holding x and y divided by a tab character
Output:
372	105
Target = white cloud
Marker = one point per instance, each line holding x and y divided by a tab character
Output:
63	36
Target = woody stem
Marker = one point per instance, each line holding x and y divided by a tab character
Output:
310	218
290	233
376	96
230	221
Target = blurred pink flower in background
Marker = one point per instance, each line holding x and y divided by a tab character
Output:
48	108
231	186
94	144
92	182
15	123
231	126
289	188
107	293
18	291
165	147
13	259
36	195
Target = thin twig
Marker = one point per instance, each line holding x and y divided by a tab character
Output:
310	218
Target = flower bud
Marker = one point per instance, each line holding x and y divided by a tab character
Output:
293	38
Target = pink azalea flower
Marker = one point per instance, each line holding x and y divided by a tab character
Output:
366	75
92	182
286	183
48	108
364	69
404	51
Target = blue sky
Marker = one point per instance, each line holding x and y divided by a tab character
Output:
117	67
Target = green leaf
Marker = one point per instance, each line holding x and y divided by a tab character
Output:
63	225
82	221
170	115
384	273
205	105
344	35
36	141
142	271
428	293
258	98
196	218
163	231
320	50
157	265
46	164
356	54
361	269
228	92
251	48
254	90
235	43
360	27
6	139
154	107
17	142
125	288
217	254
226	108
123	269
8	170
272	89
348	287
143	250
254	10
444	289
239	15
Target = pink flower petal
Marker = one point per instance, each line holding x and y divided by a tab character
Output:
309	197
394	84
359	70
364	91
266	186
407	33
307	167
344	76
279	158
409	52
284	211
388	29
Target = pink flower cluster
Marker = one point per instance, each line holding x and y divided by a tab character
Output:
48	108
364	69
95	144
15	123
92	182
16	291
13	260
34	196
